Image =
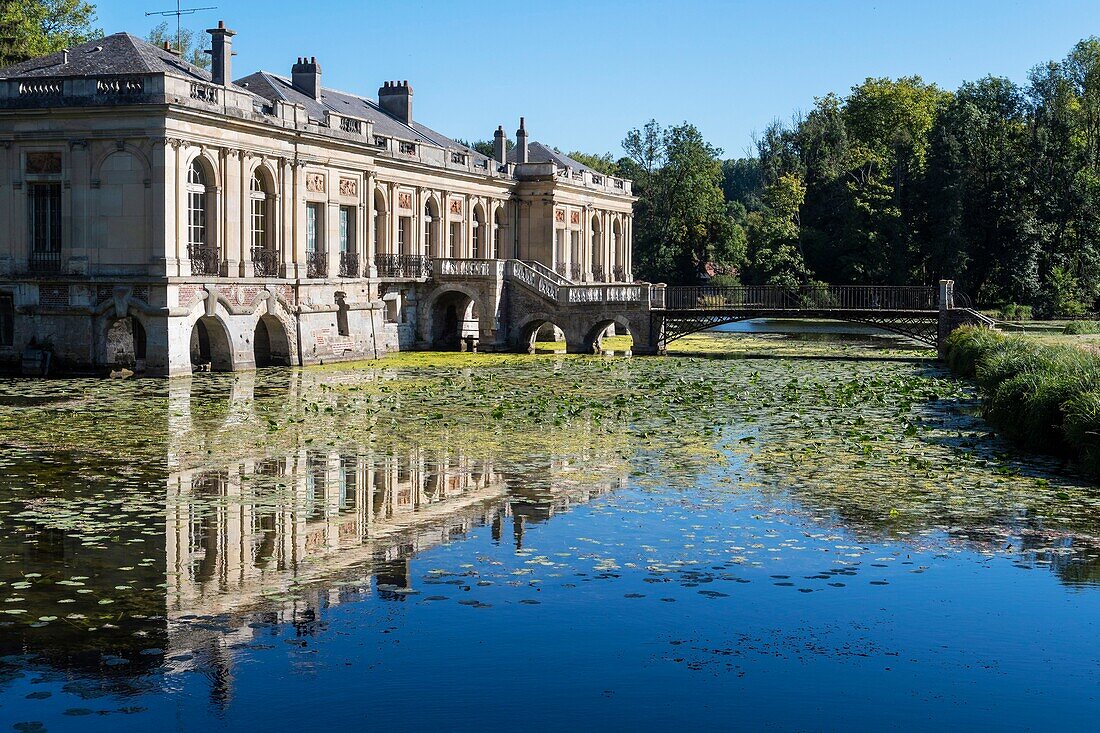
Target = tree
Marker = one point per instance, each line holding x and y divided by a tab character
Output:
681	219
775	254
30	28
600	163
485	147
189	46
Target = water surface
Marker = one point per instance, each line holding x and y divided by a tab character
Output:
472	541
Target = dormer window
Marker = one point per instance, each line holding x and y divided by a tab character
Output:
407	148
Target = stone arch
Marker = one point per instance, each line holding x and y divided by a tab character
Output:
209	163
270	342
125	343
121	225
479	242
592	342
381	222
529	331
211	344
128	148
432	227
452	313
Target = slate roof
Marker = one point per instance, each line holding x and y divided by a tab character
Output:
539	153
120	53
274	87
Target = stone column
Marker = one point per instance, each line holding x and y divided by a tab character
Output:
418	222
230	215
331	226
284	212
77	233
297	206
184	257
370	213
246	268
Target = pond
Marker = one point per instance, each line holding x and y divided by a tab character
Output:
813	541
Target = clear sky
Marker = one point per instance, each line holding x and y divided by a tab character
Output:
583	73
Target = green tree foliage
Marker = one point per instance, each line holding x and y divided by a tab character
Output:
190	46
605	163
485	147
681	220
30	28
775	248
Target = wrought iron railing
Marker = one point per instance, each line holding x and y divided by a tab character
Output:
560	269
205	260
408	266
618	273
821	297
317	264
45	262
575	272
597	273
265	262
349	264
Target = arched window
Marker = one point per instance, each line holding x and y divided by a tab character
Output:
200	250
596	247
479	235
381	221
616	251
498	234
258	193
431	225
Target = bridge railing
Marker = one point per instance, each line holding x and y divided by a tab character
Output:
817	297
603	293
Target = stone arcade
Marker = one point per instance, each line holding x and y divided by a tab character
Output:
161	217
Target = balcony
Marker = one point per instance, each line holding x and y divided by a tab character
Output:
265	262
403	266
45	262
317	264
204	260
349	264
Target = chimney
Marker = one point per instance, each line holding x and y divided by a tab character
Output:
521	143
500	146
64	55
305	76
396	98
169	49
221	53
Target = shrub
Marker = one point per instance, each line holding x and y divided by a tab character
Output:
1016	312
1078	328
966	345
1082	427
1004	361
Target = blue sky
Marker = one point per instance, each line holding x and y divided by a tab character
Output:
583	73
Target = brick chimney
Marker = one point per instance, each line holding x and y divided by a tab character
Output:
396	98
221	53
521	143
500	146
305	76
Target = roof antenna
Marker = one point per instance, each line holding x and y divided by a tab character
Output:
179	12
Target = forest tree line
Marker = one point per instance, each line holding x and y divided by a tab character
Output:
995	185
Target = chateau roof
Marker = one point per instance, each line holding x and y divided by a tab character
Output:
119	53
539	153
275	87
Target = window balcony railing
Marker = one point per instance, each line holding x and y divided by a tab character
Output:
597	273
204	260
575	272
408	266
45	262
349	264
618	274
317	264
560	268
265	262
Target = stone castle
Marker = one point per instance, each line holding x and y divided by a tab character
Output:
165	218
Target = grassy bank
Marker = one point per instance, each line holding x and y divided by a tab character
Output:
1043	397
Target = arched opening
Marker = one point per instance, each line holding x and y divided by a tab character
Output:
126	344
611	336
270	345
618	270
454	321
265	262
210	346
498	233
431	228
543	336
596	248
477	244
381	228
201	244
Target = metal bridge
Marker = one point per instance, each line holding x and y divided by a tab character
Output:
914	311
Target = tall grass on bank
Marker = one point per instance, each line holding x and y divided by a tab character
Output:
1043	398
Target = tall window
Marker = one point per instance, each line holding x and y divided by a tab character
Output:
45	202
404	228
313	228
429	221
559	247
196	205
454	241
258	194
498	236
7	319
478	235
347	229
